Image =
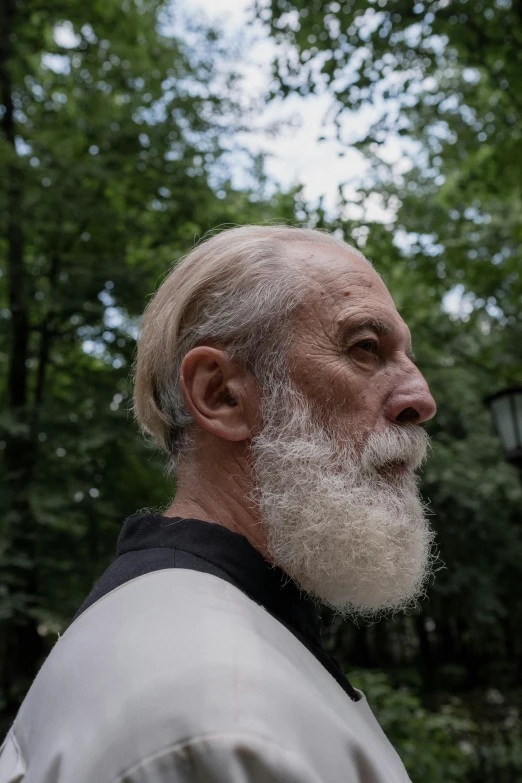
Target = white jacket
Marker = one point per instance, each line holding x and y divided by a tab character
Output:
178	677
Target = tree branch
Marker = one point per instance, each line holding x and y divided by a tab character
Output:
16	278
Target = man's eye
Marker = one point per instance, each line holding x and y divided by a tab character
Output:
369	346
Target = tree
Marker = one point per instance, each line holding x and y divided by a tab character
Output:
446	77
112	134
442	82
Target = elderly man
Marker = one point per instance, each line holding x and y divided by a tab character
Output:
276	372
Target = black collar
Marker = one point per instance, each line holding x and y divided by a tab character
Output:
149	542
231	552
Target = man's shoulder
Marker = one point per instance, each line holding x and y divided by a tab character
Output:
174	624
172	612
169	655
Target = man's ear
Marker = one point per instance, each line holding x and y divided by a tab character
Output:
220	395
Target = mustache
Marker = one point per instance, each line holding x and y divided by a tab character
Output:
408	444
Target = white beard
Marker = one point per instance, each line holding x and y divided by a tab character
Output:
355	538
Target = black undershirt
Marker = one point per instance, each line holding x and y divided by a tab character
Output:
151	542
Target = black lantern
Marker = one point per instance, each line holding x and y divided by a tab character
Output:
506	410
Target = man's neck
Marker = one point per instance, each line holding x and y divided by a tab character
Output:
218	490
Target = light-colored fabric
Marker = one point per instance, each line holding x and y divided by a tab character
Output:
178	677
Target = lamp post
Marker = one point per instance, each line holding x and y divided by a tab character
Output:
506	410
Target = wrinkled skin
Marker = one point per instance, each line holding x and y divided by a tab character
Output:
350	357
339	362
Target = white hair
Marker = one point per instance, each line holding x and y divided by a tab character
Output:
338	520
234	288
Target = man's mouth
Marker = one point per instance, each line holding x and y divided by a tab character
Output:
393	468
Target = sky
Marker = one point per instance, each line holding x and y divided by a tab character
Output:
295	155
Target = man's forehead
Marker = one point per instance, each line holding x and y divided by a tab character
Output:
337	271
347	292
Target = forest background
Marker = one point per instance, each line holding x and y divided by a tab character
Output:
123	127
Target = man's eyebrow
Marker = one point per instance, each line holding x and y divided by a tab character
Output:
349	329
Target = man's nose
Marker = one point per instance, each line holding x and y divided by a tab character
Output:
412	403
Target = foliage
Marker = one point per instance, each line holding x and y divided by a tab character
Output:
114	152
446	744
114	136
442	81
443	77
433	746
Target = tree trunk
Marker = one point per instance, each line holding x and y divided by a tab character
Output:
425	654
22	646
